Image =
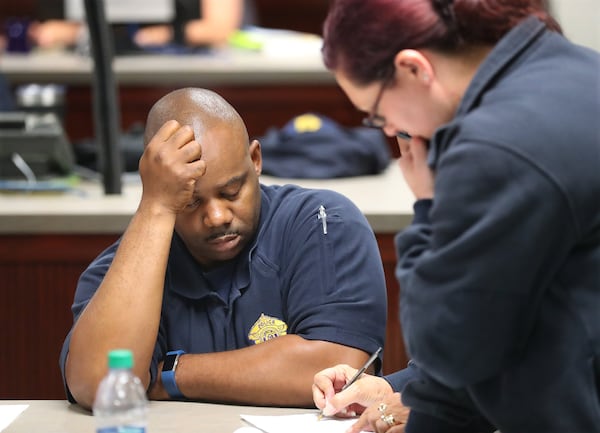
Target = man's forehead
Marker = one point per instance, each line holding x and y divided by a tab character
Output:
219	181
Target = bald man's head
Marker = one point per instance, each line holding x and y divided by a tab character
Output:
222	209
199	108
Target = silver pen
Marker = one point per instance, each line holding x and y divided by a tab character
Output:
323	217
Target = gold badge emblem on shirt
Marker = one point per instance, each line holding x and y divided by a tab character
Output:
266	328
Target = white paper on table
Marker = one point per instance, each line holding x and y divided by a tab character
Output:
300	423
10	412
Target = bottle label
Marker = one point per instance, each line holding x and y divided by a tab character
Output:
123	429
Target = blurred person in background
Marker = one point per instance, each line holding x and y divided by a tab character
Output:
195	23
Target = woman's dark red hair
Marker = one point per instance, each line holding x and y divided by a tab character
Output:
362	37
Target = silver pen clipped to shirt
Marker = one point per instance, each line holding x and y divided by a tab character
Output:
323	217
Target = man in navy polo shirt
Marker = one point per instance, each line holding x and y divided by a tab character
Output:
225	289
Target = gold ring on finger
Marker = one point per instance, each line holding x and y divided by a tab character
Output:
389	420
382	407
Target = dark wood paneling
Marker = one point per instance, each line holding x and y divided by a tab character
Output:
17	8
261	107
38	275
35	317
302	16
395	357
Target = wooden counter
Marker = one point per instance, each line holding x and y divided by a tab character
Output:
385	200
219	67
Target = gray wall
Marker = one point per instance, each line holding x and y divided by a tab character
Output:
580	20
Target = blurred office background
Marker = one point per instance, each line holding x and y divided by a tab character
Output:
580	18
39	268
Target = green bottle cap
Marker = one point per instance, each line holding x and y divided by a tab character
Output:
120	358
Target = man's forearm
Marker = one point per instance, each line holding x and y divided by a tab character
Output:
277	373
124	311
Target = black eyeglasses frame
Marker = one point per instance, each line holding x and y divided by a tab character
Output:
375	120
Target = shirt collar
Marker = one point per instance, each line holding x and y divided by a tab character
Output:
509	48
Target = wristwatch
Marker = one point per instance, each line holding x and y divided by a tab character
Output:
167	375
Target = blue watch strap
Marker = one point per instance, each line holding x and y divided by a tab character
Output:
167	375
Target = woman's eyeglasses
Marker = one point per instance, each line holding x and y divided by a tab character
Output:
375	120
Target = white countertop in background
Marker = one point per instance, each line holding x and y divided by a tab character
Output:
384	199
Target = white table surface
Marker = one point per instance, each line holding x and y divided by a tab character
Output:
58	416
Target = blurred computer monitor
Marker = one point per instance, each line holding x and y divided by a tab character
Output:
126	11
40	143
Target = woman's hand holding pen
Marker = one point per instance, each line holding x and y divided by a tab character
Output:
366	391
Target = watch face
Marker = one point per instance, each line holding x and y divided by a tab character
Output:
170	361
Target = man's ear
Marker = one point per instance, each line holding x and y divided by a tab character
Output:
414	64
256	156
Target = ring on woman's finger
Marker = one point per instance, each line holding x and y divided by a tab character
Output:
382	407
388	419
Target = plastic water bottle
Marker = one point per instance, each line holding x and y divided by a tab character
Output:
121	405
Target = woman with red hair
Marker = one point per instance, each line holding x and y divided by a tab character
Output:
496	116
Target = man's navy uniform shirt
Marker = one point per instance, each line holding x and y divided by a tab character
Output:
293	278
